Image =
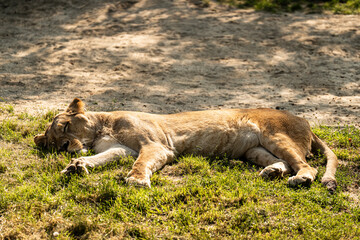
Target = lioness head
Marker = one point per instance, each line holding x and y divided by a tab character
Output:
70	131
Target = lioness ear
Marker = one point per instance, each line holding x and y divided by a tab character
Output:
77	106
40	140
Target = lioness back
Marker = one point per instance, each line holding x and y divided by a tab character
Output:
212	132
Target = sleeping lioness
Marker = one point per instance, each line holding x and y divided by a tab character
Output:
276	140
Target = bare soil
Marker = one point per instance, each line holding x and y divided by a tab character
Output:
167	56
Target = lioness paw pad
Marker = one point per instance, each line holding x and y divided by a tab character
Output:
271	172
138	182
77	166
300	181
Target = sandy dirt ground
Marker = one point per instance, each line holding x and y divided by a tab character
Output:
166	56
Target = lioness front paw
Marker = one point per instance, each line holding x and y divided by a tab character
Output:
138	182
77	165
302	180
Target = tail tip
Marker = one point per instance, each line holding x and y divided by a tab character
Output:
330	184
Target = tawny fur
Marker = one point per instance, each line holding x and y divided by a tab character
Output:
276	140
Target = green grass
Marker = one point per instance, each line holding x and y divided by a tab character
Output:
335	6
194	198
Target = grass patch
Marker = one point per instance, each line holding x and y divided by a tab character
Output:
22	127
335	6
194	198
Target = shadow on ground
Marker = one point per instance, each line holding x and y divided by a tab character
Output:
170	56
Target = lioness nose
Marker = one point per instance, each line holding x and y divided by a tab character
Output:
65	146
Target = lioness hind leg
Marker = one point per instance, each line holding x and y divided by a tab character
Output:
274	167
303	177
284	148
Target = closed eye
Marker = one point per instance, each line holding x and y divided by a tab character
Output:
66	126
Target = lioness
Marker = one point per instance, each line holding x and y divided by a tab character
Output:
276	140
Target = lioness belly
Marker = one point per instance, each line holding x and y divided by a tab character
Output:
230	143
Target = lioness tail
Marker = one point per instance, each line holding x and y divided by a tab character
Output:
329	176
